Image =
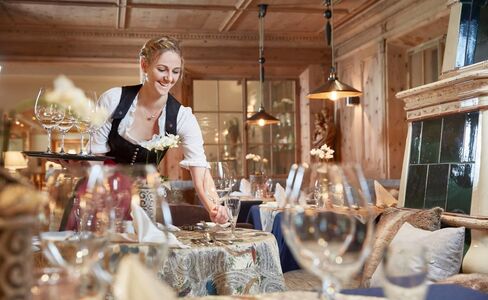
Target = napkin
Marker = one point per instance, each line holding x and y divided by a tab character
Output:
146	231
383	197
134	281
244	189
280	195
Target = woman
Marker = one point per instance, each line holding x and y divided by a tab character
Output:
141	111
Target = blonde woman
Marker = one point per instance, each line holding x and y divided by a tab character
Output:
141	111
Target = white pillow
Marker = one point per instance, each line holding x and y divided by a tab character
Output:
444	250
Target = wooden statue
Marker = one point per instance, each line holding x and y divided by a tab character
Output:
325	130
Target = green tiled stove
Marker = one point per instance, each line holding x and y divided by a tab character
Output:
446	158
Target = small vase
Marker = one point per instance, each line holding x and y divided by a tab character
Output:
16	257
258	185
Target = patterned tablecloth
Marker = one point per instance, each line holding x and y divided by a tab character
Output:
249	264
218	265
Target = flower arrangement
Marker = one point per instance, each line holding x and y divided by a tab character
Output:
66	94
161	142
323	153
259	162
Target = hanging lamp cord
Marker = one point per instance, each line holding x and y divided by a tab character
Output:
262	13
329	32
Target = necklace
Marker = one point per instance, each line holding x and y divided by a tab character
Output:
150	117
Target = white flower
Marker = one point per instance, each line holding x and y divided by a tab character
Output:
324	152
66	94
162	142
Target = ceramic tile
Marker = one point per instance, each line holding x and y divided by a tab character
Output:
415	143
470	136
430	141
460	188
453	138
436	190
415	191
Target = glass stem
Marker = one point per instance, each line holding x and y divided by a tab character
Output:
49	140
330	288
82	142
90	138
62	142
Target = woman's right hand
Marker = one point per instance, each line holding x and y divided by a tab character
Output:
218	214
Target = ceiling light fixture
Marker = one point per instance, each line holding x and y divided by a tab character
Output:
333	89
261	118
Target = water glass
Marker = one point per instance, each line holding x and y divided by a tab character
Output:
405	270
233	206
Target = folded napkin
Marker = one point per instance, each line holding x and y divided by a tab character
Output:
280	195
146	231
244	189
134	281
383	197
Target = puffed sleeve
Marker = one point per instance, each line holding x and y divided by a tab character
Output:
191	139
108	100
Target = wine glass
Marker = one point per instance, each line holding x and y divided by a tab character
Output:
82	126
48	114
65	125
233	206
92	126
332	240
219	179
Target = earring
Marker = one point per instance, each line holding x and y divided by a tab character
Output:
144	78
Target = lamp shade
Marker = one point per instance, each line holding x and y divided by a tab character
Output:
262	118
14	160
334	89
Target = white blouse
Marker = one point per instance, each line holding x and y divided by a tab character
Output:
186	127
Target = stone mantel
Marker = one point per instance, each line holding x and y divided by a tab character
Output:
465	90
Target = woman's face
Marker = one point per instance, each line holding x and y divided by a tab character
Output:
163	72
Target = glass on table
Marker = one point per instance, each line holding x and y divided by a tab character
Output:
218	181
331	241
48	114
233	206
405	270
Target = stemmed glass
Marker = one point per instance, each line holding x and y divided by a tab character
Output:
82	127
65	125
48	114
233	206
218	182
92	127
334	239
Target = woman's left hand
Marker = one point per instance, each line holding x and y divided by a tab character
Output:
218	214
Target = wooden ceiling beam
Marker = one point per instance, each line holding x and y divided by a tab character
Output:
121	14
234	16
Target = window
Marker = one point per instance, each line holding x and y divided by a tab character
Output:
221	107
425	63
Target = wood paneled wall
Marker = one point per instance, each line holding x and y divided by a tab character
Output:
371	56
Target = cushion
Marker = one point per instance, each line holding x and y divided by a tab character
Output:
444	249
390	222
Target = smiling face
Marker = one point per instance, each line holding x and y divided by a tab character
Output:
162	71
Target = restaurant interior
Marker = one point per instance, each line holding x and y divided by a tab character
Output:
343	142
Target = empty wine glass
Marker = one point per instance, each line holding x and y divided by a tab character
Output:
233	206
92	125
332	240
65	125
82	126
48	114
219	179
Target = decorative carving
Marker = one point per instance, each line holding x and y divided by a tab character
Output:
325	130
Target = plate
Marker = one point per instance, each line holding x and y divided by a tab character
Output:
212	224
66	156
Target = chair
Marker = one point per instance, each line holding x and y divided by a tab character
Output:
187	214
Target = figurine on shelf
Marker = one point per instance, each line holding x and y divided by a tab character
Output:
325	130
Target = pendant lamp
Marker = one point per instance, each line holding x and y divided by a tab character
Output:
261	118
333	89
